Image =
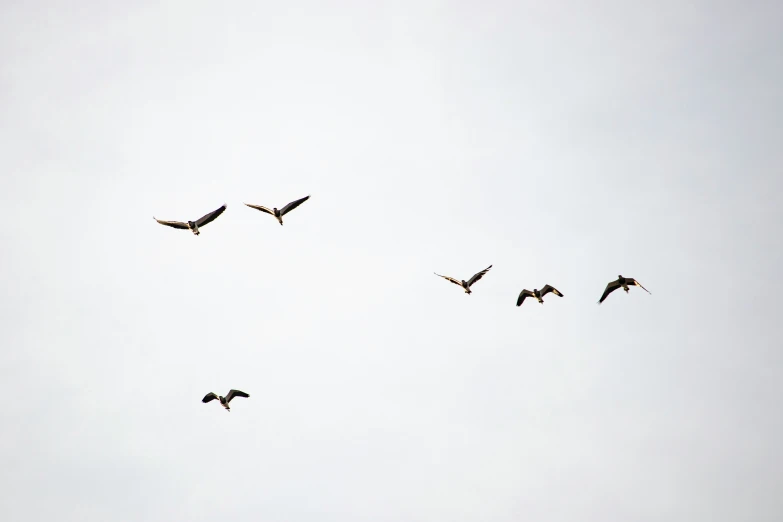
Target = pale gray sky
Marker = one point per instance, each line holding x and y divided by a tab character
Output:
562	142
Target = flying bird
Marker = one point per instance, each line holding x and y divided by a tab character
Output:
466	284
538	294
224	400
193	225
621	282
283	211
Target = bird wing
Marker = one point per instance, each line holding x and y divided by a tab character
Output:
637	283
235	393
262	209
174	224
208	397
611	287
288	208
522	295
447	278
208	218
549	288
478	276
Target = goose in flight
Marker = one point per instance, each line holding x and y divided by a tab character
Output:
623	282
466	284
283	211
193	225
538	294
224	400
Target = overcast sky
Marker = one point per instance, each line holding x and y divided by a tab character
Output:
561	142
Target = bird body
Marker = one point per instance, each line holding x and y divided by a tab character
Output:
279	213
224	400
466	284
538	294
193	226
621	282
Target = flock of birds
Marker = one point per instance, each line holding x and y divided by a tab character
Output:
620	282
194	226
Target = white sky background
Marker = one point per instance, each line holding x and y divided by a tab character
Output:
563	143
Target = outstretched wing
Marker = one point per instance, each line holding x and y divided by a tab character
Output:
288	208
522	295
548	288
262	209
637	283
478	276
611	287
208	218
447	278
174	224
208	397
235	393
